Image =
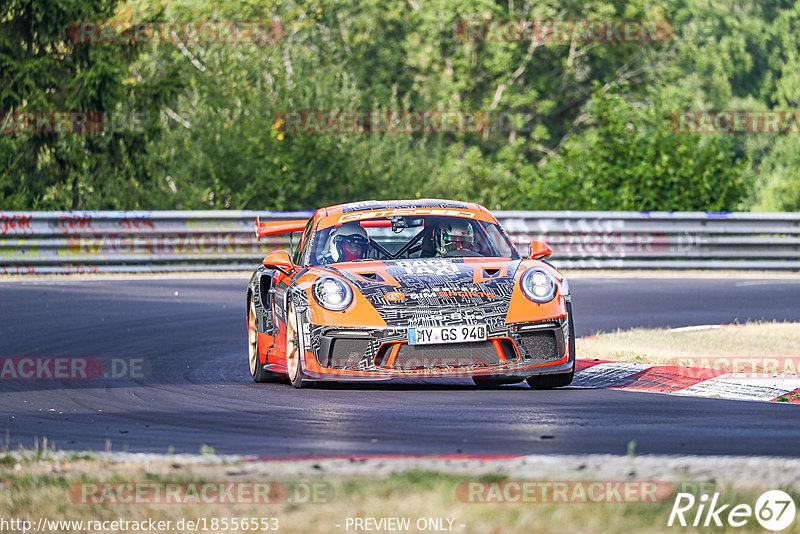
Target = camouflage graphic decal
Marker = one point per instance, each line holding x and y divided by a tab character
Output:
439	292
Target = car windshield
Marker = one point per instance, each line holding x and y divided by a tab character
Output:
392	238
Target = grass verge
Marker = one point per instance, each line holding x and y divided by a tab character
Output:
32	489
759	341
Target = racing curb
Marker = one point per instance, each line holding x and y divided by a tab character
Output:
690	381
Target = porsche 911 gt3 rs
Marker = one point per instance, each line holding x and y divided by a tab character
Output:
384	290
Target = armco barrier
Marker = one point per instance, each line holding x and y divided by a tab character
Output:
113	241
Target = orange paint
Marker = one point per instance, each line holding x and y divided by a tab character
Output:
393	355
334	215
278	227
479	266
311	362
357	269
499	349
522	310
278	352
264	343
359	314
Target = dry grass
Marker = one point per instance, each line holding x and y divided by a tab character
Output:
41	489
757	341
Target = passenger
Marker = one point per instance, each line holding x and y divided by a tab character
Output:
455	238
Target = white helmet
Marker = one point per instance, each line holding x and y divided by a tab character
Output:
454	234
350	242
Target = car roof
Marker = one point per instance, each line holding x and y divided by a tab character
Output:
390	204
441	207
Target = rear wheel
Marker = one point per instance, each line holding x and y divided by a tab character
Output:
562	379
257	370
293	349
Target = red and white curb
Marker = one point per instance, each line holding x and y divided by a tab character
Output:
679	380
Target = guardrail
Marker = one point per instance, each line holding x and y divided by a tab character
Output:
137	241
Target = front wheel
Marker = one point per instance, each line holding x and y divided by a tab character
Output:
294	366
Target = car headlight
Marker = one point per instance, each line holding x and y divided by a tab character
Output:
332	293
538	285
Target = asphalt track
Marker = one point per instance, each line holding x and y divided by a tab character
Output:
196	389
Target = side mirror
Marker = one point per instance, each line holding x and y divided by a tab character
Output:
278	259
540	250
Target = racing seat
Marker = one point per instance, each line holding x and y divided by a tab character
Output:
428	245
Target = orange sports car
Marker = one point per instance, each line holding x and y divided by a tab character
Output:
383	290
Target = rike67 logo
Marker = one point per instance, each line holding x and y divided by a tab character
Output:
774	510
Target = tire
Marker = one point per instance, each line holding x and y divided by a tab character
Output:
551	381
562	379
257	371
495	381
294	365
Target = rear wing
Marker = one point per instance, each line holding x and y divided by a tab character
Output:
279	227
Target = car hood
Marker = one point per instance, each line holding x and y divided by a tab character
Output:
435	291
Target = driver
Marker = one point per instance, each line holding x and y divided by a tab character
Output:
350	242
455	238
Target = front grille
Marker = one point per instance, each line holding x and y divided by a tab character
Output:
541	345
449	356
346	353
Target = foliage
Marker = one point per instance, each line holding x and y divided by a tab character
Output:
632	160
43	70
574	125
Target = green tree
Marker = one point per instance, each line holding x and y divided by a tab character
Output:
631	159
42	69
574	125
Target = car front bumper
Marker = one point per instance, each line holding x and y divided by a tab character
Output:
523	350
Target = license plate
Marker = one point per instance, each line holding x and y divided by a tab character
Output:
446	334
